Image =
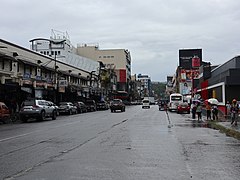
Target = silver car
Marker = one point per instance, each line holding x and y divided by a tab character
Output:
38	109
67	107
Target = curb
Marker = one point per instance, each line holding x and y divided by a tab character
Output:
229	132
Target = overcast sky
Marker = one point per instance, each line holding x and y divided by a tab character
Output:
153	30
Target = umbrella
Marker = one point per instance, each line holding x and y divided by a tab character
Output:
213	101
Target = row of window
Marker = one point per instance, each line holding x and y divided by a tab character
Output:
106	56
51	53
8	65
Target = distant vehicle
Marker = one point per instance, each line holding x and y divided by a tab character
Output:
117	104
183	108
162	105
91	105
67	107
4	112
174	101
151	100
102	105
123	95
146	103
81	107
38	109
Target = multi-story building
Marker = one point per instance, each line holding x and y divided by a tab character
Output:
60	48
146	89
117	59
28	74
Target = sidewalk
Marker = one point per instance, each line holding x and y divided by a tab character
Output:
224	125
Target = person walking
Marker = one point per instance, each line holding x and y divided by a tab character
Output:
234	112
193	107
208	109
199	111
215	112
228	108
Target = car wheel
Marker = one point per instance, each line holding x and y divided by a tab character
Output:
54	115
111	110
23	119
42	116
70	112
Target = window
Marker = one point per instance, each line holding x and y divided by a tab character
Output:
100	57
2	63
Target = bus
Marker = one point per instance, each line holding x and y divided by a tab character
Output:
123	95
174	101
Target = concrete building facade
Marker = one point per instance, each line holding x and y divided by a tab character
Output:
117	59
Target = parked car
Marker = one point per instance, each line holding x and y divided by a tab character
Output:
146	103
54	106
4	112
38	109
91	105
67	107
183	107
81	107
102	105
117	104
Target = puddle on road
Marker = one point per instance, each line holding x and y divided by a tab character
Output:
193	124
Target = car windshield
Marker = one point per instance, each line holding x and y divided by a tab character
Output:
116	101
28	103
145	101
184	104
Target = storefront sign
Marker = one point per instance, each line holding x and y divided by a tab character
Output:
27	76
26	89
61	89
62	83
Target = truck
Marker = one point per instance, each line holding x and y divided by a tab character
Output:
152	100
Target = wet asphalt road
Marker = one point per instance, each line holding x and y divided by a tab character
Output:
137	144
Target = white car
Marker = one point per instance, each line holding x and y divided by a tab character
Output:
145	103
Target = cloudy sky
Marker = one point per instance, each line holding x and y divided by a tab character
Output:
153	30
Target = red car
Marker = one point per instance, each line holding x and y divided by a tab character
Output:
4	112
183	107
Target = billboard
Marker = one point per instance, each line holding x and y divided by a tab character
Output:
185	88
186	56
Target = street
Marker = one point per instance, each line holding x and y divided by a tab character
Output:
136	144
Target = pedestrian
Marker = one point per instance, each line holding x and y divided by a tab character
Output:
228	108
234	112
193	107
208	109
199	111
215	112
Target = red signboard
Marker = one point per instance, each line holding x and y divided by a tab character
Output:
196	61
122	75
204	92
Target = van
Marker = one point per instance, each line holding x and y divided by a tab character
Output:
145	103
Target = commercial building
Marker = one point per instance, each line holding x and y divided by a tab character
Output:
117	59
26	74
223	83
